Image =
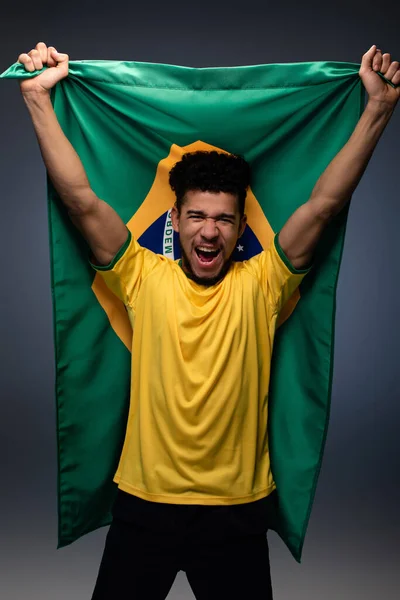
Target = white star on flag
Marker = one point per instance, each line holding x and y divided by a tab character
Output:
240	248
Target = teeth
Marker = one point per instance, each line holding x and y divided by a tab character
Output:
207	249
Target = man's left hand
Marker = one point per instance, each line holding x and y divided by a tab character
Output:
377	88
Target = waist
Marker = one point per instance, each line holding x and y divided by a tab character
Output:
207	521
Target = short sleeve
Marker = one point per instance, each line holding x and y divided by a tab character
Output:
126	272
277	276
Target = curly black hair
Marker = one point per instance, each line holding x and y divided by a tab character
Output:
210	172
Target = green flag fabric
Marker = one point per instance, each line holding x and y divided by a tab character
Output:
129	123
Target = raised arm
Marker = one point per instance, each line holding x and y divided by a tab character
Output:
101	226
333	190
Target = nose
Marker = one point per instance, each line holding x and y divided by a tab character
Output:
209	230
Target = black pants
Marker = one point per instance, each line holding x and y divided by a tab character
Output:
222	549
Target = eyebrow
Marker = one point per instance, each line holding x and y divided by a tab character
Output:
200	213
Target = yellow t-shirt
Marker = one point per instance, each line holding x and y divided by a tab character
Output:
197	426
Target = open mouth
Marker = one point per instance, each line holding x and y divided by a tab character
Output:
207	256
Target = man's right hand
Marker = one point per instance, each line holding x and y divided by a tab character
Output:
35	60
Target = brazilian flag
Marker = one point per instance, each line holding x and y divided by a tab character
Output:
130	122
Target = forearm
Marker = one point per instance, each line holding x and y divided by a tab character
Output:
339	180
334	188
300	234
63	164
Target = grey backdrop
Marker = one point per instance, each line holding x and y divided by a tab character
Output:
351	549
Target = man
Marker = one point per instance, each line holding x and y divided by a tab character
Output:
195	484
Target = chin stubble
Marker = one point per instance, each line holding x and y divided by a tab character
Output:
207	281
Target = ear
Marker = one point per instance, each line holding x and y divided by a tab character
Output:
175	218
242	225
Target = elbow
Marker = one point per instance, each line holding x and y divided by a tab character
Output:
326	208
80	202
